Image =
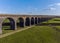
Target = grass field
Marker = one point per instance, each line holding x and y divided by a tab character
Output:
37	34
58	27
6	29
54	20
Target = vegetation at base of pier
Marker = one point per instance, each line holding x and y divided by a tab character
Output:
6	29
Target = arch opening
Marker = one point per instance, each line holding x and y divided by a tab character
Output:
42	19
35	20
20	22
38	20
32	21
27	23
8	24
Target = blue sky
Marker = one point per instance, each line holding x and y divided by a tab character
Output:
41	7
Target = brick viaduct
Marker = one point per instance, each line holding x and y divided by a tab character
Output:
25	20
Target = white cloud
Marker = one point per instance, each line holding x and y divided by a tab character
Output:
49	9
58	4
52	8
55	4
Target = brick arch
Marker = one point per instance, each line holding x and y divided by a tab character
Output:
21	21
32	20
27	21
12	23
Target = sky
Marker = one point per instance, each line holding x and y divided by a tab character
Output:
27	7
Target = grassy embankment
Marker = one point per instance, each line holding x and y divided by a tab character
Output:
37	34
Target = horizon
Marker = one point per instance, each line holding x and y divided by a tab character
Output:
28	14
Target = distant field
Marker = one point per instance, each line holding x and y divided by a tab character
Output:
37	34
55	20
6	20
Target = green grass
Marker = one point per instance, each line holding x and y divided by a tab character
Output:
58	27
6	21
6	29
37	34
55	20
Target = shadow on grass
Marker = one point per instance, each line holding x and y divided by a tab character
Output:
8	29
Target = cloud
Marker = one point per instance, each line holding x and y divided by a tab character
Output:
52	8
58	4
55	4
49	9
